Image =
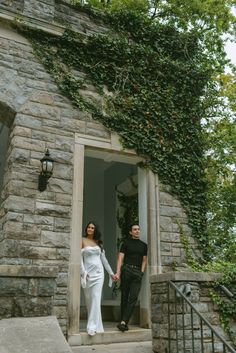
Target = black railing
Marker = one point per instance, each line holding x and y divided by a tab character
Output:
188	330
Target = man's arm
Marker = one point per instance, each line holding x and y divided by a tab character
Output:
144	264
119	264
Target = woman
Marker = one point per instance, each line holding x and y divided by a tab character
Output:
92	276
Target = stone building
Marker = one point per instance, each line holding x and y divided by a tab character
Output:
40	232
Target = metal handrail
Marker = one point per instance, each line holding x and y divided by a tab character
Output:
206	322
226	291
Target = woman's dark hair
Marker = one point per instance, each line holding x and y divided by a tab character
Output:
97	234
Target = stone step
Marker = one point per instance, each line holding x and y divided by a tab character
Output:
128	347
111	335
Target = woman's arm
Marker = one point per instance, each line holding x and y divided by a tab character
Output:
107	267
83	272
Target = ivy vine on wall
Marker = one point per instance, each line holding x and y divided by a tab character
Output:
160	83
127	211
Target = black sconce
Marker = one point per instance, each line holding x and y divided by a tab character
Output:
47	164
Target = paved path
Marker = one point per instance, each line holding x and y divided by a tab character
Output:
130	347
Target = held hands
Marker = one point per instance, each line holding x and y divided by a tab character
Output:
115	277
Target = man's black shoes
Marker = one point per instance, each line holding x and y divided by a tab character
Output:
122	327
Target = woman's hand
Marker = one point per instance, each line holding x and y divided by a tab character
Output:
114	278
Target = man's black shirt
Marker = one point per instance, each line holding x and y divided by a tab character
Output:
134	250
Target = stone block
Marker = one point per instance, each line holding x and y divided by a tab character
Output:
59	185
14	217
72	125
46	287
62	279
43	136
13	286
33	287
37	219
51	209
42	97
28	143
17	203
165	224
23	188
170	237
28	271
5	307
63	254
21	131
27	121
60	312
63	199
62	224
65	143
32	306
170	211
21	231
40	110
55	239
40	9
12	248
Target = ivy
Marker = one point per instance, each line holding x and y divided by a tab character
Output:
161	84
128	210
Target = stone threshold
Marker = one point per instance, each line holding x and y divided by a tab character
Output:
111	335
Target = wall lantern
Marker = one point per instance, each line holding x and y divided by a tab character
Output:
47	164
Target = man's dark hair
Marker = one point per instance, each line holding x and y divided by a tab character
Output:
132	225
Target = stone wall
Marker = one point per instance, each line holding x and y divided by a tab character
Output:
173	220
27	292
52	12
35	227
199	286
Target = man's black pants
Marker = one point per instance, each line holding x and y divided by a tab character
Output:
131	278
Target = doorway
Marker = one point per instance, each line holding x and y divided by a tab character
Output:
111	201
103	180
100	157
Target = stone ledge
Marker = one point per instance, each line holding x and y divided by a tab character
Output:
28	271
186	276
16	17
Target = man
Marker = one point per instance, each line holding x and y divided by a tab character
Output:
131	264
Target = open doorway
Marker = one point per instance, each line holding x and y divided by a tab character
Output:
111	200
105	155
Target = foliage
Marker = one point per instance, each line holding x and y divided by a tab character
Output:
211	15
127	212
116	5
163	70
220	172
227	307
162	80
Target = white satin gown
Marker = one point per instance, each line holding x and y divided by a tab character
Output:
93	261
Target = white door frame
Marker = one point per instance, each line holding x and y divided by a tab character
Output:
94	145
